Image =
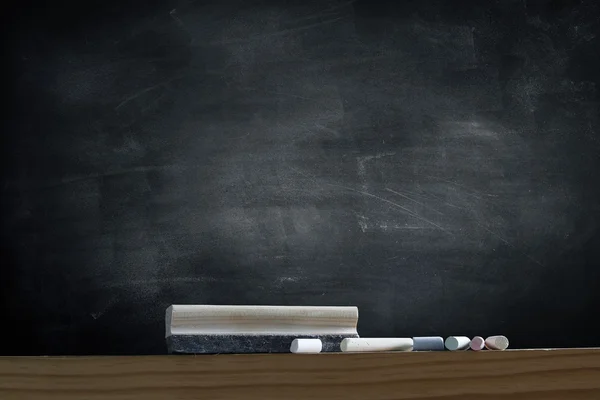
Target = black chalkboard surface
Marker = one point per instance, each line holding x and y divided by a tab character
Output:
434	163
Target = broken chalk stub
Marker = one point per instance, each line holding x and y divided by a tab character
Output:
497	342
428	343
455	343
307	346
477	343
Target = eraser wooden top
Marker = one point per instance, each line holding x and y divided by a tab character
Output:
260	320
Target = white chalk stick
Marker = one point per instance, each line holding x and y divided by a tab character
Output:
376	344
306	346
454	343
477	343
498	342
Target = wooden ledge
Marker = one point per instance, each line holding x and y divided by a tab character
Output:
571	374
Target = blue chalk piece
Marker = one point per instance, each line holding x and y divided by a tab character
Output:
428	343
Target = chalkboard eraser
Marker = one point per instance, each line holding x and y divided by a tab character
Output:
255	329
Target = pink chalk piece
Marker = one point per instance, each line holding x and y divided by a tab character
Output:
496	342
477	343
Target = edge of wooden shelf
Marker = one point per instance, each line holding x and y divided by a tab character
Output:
527	374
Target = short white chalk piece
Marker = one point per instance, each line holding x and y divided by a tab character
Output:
477	343
454	343
376	344
310	346
496	342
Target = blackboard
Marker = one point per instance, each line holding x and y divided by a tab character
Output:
434	163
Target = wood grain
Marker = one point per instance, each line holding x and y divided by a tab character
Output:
555	374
